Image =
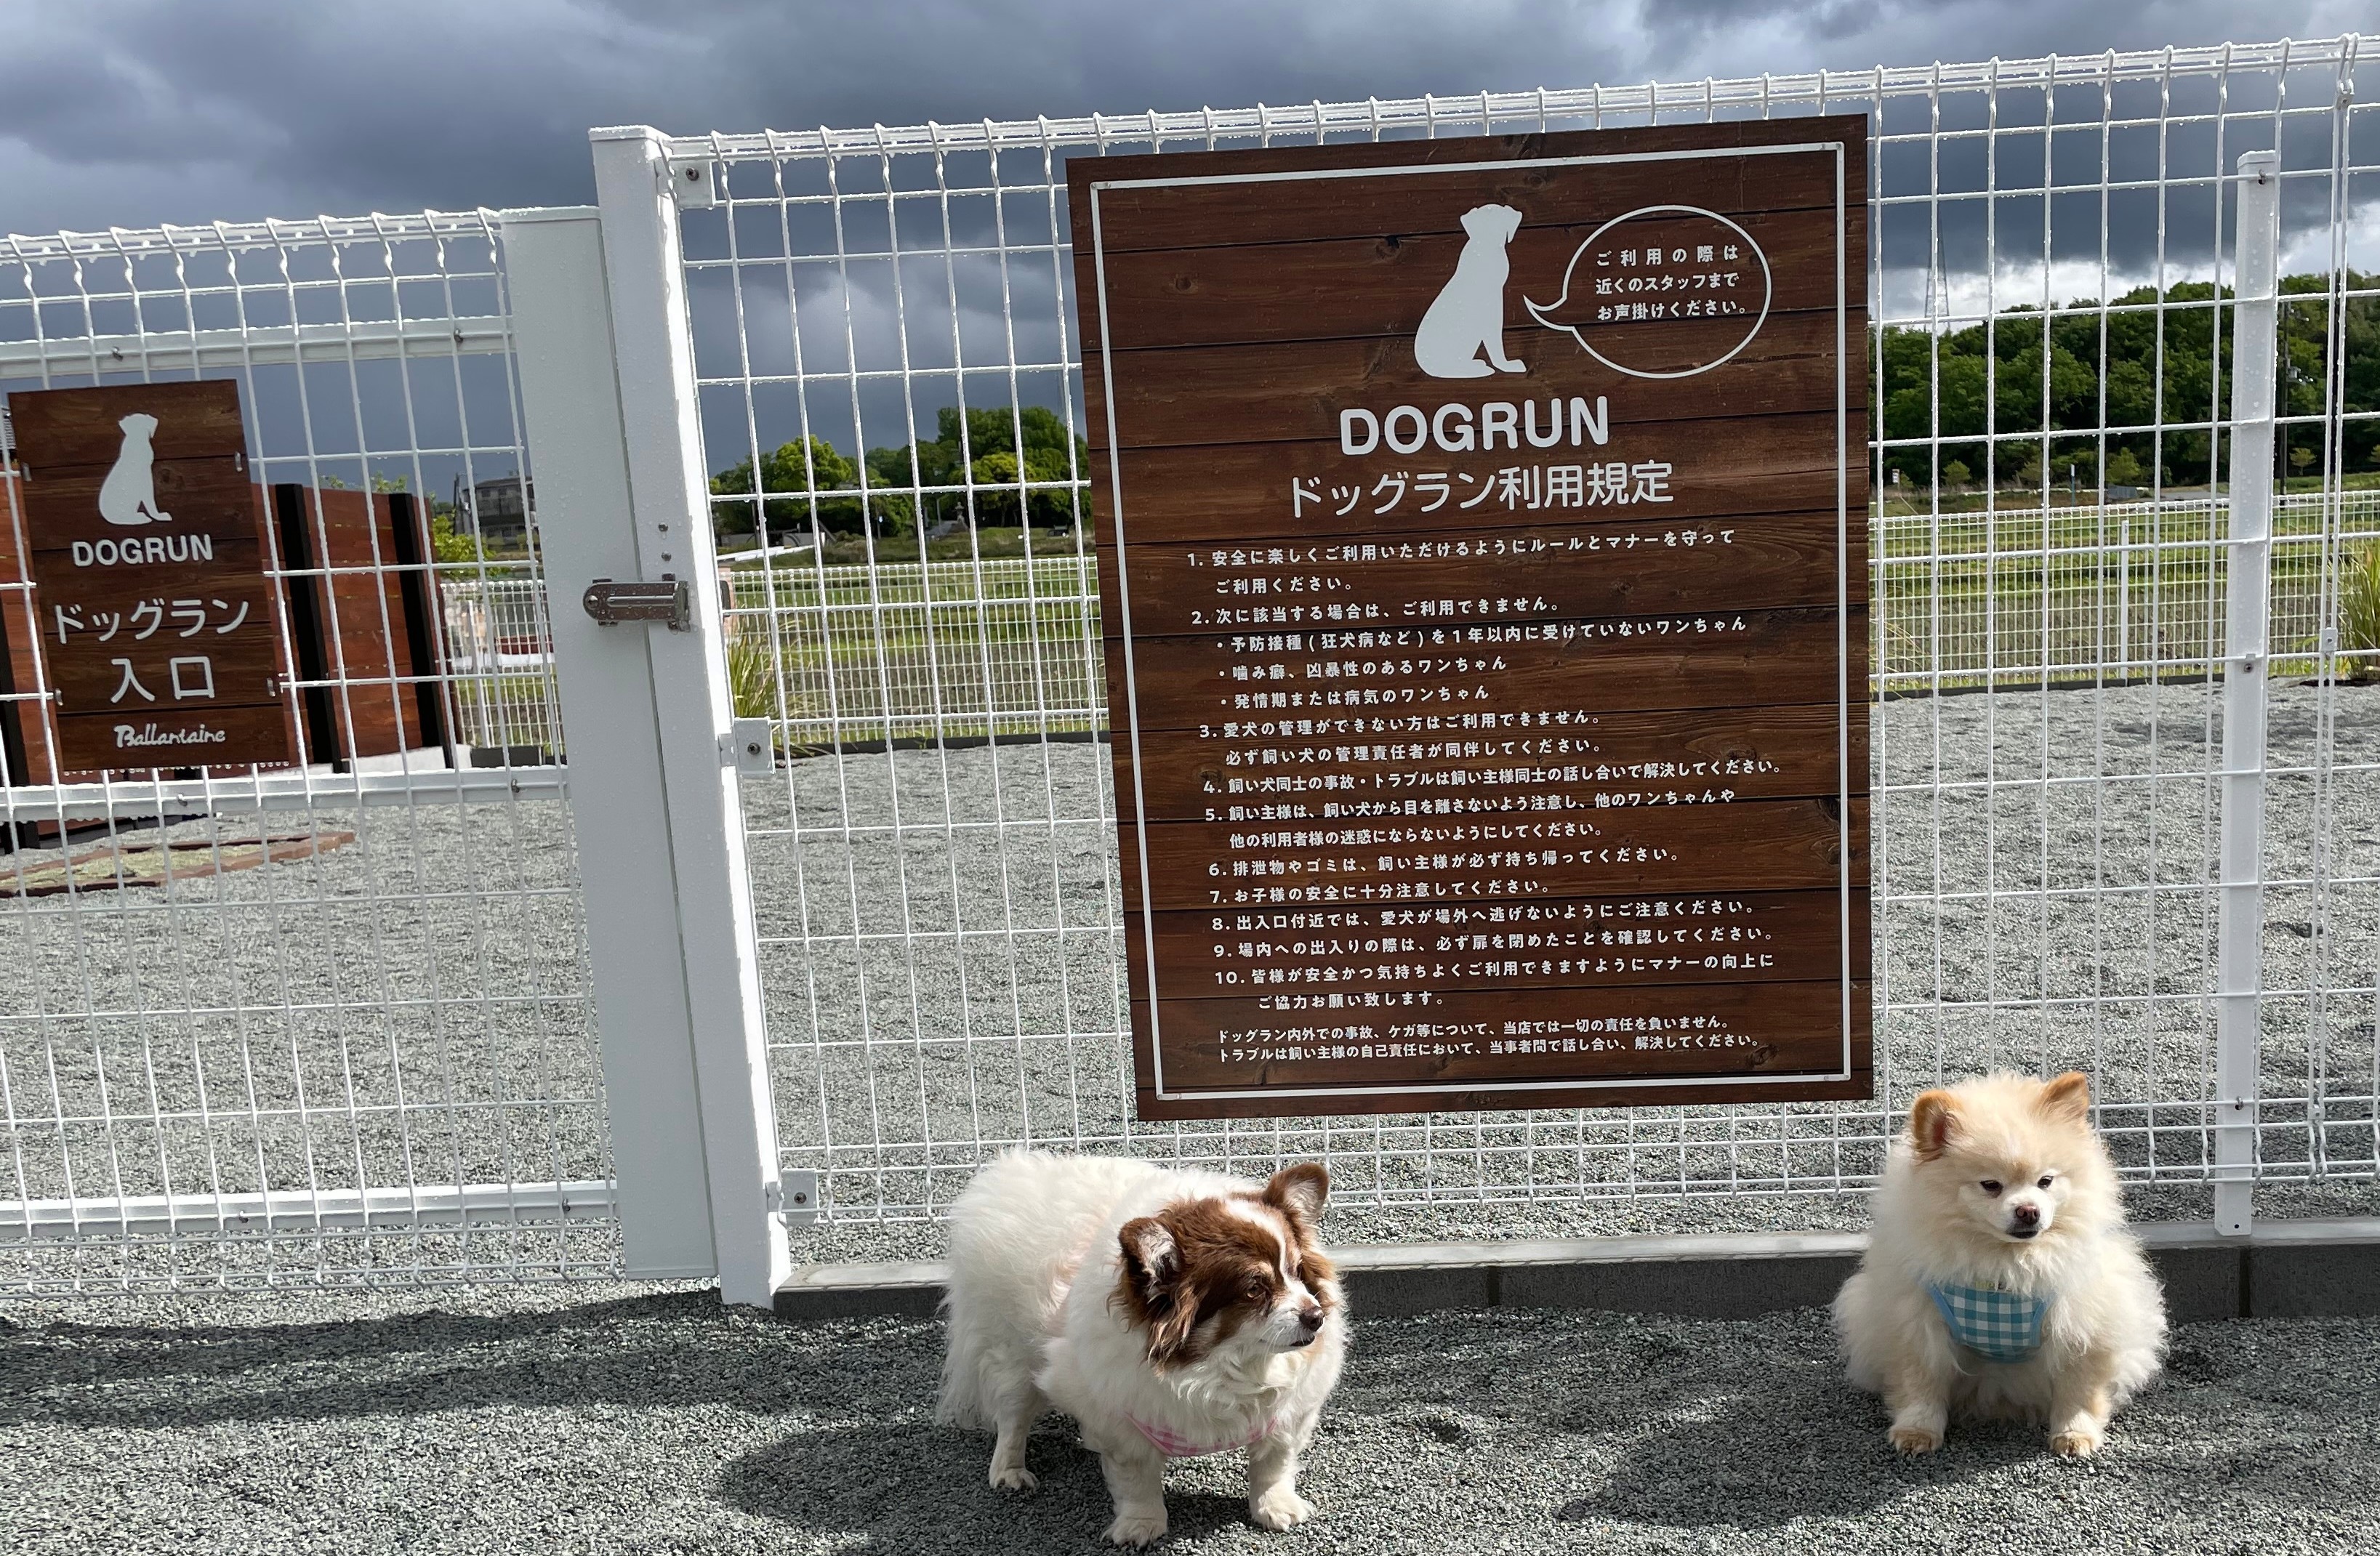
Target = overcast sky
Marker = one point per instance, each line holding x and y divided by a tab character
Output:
120	112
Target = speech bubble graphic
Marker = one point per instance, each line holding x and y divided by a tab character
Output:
1702	289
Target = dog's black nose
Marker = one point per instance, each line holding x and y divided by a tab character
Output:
1310	1317
2026	1215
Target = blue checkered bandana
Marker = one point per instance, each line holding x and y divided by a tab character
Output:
1997	1325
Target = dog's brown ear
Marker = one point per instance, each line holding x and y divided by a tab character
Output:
1151	1259
2068	1097
1153	1290
1933	1119
1301	1190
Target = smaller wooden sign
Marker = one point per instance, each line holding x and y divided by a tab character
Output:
154	608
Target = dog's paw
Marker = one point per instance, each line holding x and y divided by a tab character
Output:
2076	1442
1016	1479
1913	1441
1281	1508
1136	1528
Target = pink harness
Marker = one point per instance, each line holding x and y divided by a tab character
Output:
1174	1447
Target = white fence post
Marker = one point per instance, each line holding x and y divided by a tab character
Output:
608	384
2246	671
670	496
555	270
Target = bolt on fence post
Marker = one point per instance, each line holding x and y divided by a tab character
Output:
669	496
2240	954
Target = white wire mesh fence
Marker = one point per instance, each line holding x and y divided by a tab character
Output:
2113	591
499	647
884	331
913	651
322	1024
333	1026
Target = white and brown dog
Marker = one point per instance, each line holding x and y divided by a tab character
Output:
1172	1314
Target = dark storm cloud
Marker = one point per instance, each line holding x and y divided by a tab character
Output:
137	111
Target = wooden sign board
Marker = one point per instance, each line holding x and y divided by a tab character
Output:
1482	533
151	593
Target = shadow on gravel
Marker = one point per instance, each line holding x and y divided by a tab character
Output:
1662	1421
1707	1442
1576	1429
919	1487
671	1349
1784	1454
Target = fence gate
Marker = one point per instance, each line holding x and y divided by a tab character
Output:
2122	776
324	1024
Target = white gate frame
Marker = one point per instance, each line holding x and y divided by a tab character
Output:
192	1218
607	381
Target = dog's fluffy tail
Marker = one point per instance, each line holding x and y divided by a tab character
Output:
963	1401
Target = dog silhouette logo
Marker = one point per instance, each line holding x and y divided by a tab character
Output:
129	496
1468	315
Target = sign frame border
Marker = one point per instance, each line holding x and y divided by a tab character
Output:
1423	1091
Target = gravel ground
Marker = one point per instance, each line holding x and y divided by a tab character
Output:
2091	968
611	1419
942	976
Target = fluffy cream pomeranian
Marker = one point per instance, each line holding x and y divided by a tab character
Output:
1999	1281
1173	1314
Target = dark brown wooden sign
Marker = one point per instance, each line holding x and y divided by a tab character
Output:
1482	532
154	608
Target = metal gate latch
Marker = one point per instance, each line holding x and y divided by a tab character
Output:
668	602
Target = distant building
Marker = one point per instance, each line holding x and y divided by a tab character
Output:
497	510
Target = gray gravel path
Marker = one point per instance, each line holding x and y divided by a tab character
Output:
618	1420
952	985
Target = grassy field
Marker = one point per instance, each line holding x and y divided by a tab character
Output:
900	650
1904	501
2130	587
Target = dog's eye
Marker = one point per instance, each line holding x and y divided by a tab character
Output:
1990	1186
1257	1287
2046	1181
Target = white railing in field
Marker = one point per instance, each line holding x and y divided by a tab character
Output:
955	650
947	650
500	650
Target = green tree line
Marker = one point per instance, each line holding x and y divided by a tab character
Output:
2132	365
1004	455
2087	353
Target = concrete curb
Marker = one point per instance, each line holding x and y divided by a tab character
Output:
2284	1269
